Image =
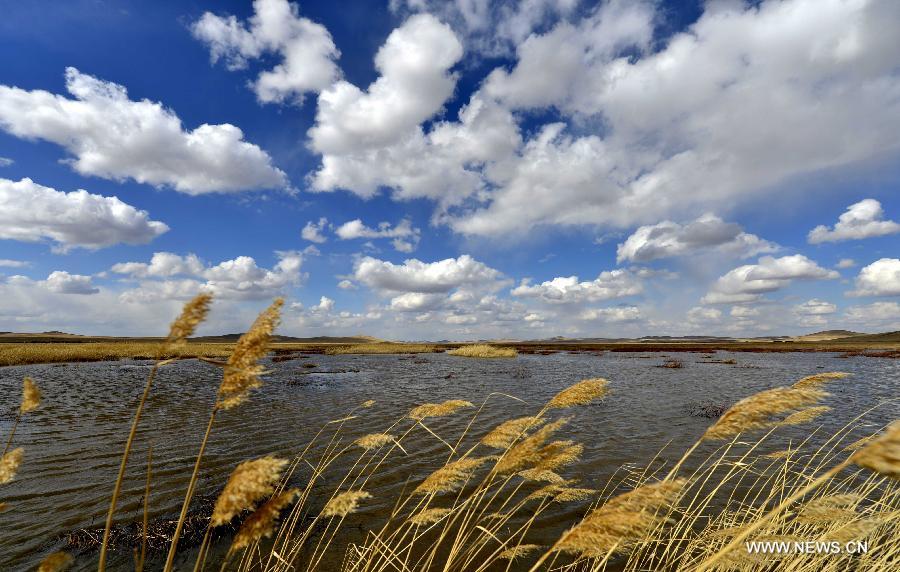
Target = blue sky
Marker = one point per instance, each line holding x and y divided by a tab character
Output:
424	170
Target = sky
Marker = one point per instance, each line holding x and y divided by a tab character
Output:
424	170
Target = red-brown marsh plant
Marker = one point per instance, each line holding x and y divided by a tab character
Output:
193	313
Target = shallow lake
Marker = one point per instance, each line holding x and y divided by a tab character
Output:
74	441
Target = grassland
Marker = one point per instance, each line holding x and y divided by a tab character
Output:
484	351
381	348
31	353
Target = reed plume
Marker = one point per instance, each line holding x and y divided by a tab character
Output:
344	503
518	551
3	506
184	326
621	521
451	476
262	522
827	509
56	562
429	516
541	475
528	451
241	374
427	410
250	482
758	410
192	314
368	403
9	464
504	435
805	415
242	370
31	396
817	380
580	393
882	454
374	440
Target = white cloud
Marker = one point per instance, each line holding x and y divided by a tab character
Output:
425	277
314	231
875	315
413	85
861	220
8	263
62	282
881	278
815	307
845	263
417	301
405	236
615	314
743	312
699	315
170	276
346	285
747	283
306	49
31	212
680	133
114	137
608	285
6	161
667	238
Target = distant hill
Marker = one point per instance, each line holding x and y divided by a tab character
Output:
873	338
829	335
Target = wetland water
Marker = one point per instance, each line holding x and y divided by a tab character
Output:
74	441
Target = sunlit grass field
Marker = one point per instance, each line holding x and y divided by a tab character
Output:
480	508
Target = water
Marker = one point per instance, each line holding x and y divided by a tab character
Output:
73	442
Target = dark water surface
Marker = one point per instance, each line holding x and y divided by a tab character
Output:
74	441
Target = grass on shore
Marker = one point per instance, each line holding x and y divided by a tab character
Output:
484	351
382	348
32	353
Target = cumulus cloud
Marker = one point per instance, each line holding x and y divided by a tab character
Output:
679	133
426	277
6	161
405	236
114	137
702	315
608	285
667	239
614	314
62	282
747	283
815	307
861	220
171	276
845	263
875	315
315	231
881	278
306	50
9	263
413	85
31	212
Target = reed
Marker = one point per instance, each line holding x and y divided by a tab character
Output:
382	348
483	351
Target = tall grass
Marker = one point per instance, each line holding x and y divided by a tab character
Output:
489	504
381	348
32	353
483	351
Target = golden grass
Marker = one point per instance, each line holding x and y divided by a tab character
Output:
484	351
32	353
382	348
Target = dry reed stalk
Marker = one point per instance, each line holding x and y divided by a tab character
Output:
427	410
374	441
827	509
31	400
250	482
192	314
816	381
580	393
451	476
9	464
504	435
56	562
621	521
344	503
240	376
757	411
518	551
262	522
429	516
